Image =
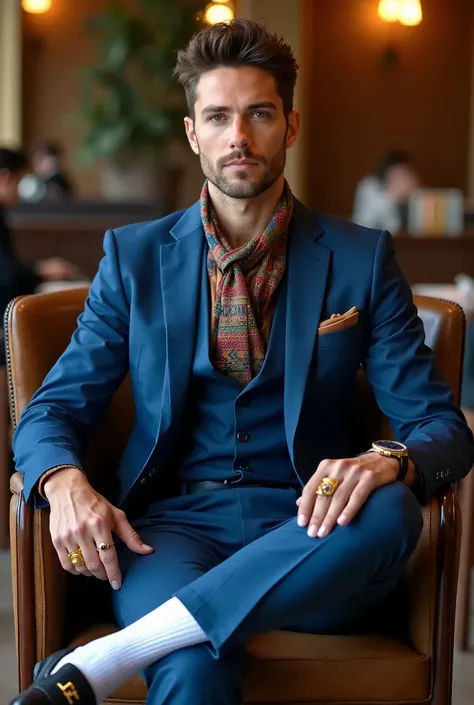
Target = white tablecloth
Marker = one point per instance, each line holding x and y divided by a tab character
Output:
447	291
48	287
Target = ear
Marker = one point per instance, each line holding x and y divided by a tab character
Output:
294	119
191	135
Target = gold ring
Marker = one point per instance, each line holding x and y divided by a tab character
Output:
327	487
104	546
76	558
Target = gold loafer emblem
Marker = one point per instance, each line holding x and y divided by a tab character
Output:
69	691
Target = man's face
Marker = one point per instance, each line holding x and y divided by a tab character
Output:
402	180
44	164
9	187
240	132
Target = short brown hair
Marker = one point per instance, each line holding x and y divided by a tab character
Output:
241	42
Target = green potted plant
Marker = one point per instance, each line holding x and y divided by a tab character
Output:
131	109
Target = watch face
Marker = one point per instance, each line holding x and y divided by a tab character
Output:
391	445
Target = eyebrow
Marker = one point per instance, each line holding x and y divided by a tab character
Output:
226	108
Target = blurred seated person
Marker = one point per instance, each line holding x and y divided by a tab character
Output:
16	277
46	162
381	199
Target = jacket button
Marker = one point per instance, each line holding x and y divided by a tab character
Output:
242	401
243	436
143	481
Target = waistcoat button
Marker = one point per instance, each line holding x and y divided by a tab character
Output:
243	436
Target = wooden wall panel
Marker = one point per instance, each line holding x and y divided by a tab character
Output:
355	109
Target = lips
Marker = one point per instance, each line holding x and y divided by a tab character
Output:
241	163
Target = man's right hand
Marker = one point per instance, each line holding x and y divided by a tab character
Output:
82	518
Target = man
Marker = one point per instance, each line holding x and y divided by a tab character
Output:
46	161
17	277
381	199
230	318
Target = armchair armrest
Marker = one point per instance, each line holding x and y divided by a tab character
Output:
421	581
16	483
431	581
39	583
449	551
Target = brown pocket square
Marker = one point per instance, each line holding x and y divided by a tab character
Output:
339	321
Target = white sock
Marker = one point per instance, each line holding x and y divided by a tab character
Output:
111	660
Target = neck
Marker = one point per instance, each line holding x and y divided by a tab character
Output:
242	219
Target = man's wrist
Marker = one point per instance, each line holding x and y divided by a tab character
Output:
411	474
52	476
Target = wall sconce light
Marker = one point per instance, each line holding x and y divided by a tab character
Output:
36	7
389	10
407	12
219	11
411	13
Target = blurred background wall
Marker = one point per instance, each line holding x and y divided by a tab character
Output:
55	49
353	105
356	108
10	73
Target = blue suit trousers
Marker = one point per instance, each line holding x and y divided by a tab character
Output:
238	561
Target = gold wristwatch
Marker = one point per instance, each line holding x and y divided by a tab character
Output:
393	449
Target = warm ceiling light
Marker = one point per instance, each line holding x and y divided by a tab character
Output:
218	12
37	7
389	10
410	13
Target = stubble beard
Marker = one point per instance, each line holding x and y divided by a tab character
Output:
241	186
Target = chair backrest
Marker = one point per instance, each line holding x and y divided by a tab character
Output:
39	327
445	324
38	330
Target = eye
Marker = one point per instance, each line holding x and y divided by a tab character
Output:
217	117
261	114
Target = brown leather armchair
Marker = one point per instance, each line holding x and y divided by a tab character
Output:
53	609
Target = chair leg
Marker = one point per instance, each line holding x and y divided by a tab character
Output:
5	465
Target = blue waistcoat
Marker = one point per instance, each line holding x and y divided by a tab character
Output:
233	433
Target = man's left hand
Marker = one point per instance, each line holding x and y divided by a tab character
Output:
357	477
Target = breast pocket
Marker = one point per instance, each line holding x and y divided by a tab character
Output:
345	336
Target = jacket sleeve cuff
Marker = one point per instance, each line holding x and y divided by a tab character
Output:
32	477
47	474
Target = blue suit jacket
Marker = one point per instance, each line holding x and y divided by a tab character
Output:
141	316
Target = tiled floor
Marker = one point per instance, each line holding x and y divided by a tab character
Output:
463	672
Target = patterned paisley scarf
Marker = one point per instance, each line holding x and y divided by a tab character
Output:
247	285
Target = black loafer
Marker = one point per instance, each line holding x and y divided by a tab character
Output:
66	687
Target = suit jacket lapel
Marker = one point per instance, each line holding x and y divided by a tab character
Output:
181	269
307	270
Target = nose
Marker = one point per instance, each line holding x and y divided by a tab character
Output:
240	137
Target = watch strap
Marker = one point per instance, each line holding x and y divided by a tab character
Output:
404	465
